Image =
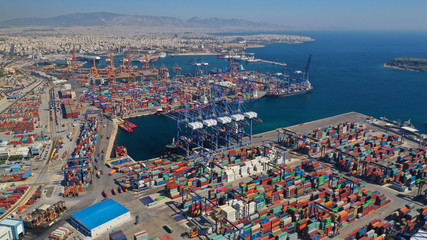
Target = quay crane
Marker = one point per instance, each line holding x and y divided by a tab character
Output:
164	72
110	69
214	127
154	71
94	71
176	70
233	67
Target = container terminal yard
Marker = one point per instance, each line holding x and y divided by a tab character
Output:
348	176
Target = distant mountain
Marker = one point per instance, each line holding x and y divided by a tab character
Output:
238	23
112	19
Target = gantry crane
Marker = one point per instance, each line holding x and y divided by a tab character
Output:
342	177
154	71
176	70
220	220
278	167
245	199
126	69
393	233
111	70
421	184
131	70
233	67
94	71
124	73
205	162
129	59
73	59
336	218
140	175
284	132
145	62
164	72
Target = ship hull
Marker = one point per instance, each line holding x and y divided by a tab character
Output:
121	151
289	94
126	129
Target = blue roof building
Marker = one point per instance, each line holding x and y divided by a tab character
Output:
100	217
17	227
15	168
27	174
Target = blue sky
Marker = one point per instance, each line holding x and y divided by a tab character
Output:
299	14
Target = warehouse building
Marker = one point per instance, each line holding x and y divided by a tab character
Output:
37	148
16	228
5	233
4	151
100	217
19	151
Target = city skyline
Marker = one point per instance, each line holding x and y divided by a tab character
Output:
309	15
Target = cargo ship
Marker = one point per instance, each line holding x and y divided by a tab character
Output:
121	151
292	92
131	125
125	128
406	126
89	58
290	85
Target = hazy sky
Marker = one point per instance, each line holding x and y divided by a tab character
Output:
300	14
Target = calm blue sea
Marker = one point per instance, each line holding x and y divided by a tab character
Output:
347	74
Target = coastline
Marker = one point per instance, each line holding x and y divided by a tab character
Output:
241	45
143	113
112	140
196	54
255	46
116	129
399	68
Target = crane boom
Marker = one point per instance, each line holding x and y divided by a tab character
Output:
307	67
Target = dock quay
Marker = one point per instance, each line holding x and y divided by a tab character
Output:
339	176
272	62
267	188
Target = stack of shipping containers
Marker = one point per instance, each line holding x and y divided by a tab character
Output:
69	108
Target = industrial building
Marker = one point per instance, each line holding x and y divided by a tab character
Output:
4	151
36	149
100	217
5	233
14	151
16	228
